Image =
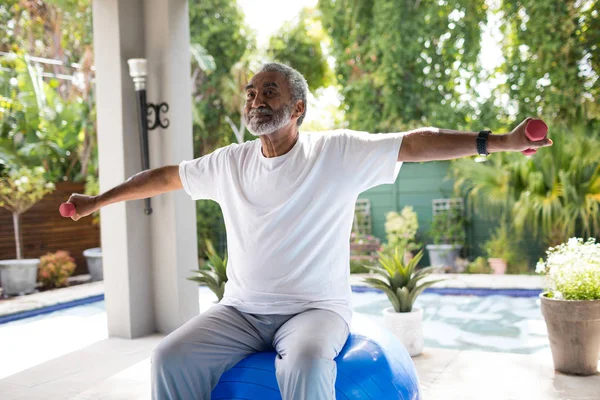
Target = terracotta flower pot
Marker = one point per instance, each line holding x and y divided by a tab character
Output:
498	265
574	333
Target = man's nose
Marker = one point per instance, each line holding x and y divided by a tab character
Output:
259	101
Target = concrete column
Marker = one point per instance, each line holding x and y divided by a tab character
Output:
146	258
174	247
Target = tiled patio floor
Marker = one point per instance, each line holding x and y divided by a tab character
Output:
114	368
119	369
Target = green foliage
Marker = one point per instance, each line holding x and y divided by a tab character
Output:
401	282
448	227
556	192
218	27
501	244
22	188
55	269
358	264
299	46
548	46
572	270
401	229
479	266
38	126
214	273
62	29
400	62
209	224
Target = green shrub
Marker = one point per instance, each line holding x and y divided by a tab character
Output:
55	269
479	266
358	264
401	229
448	227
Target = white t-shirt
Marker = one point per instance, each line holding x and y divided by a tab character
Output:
289	218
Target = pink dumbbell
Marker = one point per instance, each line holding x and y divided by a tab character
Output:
535	130
67	209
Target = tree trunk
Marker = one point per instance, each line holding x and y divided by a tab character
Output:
18	235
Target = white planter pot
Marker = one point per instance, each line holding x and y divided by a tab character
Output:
93	257
408	327
19	276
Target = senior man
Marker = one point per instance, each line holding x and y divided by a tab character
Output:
288	202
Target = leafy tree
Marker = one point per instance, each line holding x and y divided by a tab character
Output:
552	58
299	46
218	26
50	121
38	127
400	62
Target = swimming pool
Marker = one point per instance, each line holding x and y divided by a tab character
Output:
489	323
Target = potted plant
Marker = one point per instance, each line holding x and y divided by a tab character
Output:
21	189
401	230
55	269
448	234
500	249
213	273
571	305
402	283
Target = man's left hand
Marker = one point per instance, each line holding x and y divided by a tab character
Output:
517	140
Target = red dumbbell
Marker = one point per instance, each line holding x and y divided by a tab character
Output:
67	209
535	130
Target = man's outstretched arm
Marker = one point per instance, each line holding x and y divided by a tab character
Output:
434	144
142	185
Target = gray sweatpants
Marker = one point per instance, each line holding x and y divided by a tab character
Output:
187	364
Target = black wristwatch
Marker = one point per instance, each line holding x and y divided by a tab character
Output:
482	143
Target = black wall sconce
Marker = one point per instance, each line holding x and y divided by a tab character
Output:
149	114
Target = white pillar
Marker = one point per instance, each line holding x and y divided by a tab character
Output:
167	33
145	258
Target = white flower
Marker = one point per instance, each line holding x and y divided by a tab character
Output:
573	269
558	295
540	267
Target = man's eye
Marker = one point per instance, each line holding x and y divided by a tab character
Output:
249	95
270	92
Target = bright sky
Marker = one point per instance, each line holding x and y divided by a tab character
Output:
266	16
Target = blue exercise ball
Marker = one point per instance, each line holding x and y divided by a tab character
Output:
373	364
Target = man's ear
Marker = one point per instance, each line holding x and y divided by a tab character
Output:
298	109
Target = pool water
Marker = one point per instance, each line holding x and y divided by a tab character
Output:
492	323
488	323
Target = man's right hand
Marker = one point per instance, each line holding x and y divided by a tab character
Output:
143	185
84	205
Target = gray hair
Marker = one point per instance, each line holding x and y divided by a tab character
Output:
298	85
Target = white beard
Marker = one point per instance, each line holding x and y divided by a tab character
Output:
278	120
